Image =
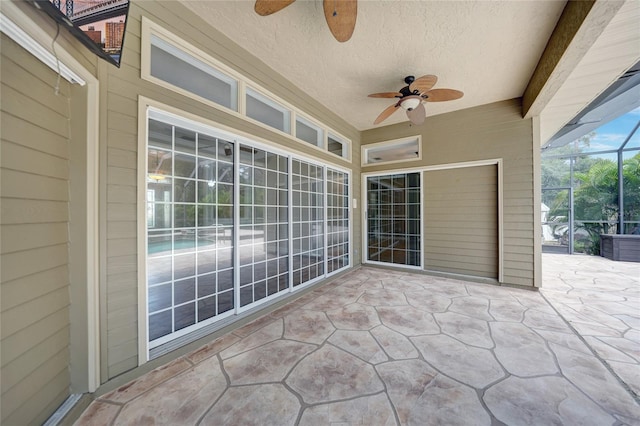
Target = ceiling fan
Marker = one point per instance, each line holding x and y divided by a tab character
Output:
412	96
340	14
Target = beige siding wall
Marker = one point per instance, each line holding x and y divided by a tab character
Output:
485	132
461	221
119	129
34	233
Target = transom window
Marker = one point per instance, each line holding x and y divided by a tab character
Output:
175	66
171	62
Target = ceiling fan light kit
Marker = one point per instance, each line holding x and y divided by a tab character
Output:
412	98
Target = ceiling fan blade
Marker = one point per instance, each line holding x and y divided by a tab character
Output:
424	83
386	113
341	17
440	95
386	95
267	7
417	115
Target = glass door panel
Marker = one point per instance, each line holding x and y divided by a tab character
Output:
189	229
307	221
393	219
262	247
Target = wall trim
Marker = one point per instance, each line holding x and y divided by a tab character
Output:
73	71
500	204
148	108
537	203
25	40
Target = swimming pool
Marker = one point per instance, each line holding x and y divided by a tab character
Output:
179	244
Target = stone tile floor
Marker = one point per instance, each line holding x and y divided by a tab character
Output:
377	347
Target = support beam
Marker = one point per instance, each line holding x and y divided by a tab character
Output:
579	26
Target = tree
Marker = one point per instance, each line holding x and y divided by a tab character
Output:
595	190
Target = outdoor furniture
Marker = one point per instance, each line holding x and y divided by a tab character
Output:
625	248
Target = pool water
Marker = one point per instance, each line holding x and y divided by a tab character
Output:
160	246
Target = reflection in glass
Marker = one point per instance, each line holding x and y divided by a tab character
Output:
337	220
259	223
189	228
393	219
308	248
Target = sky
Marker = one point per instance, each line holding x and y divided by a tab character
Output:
612	134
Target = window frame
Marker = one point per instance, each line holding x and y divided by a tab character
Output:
321	140
151	29
287	112
346	144
149	109
365	149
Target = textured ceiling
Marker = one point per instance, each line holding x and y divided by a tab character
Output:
487	49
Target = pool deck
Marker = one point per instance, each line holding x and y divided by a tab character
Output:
379	347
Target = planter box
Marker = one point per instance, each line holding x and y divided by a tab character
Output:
620	247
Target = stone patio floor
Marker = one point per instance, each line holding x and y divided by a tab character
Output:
377	347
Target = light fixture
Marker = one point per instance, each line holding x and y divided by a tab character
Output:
157	177
410	102
228	150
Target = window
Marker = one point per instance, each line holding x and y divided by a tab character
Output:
178	68
392	151
393	219
171	62
263	246
308	221
190	239
268	112
338	146
230	225
337	220
309	132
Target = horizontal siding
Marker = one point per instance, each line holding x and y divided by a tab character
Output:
486	132
120	91
34	173
21	211
465	200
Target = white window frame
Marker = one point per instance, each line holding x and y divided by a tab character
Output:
346	144
189	54
365	149
151	29
498	162
148	108
321	140
287	113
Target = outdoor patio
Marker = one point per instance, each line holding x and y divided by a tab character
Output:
382	347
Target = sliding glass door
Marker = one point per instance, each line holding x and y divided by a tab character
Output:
231	225
393	219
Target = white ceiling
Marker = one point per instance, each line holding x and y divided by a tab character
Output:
487	49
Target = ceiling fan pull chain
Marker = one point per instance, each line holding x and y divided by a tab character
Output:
335	8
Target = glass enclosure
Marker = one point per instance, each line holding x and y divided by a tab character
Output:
591	186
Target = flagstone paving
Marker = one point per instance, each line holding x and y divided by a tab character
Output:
379	347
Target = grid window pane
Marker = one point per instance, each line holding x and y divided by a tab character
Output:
260	222
308	221
393	223
191	201
189	227
337	220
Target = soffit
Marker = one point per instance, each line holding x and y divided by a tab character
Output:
614	52
487	49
